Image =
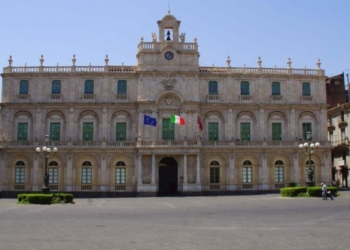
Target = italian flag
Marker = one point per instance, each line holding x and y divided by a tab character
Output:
177	119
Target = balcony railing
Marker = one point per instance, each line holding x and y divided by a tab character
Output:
161	144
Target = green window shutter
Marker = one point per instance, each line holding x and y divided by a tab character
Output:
213	131
306	89
89	87
22	132
55	131
168	130
276	88
24	87
245	131
120	132
245	88
121	87
88	131
276	131
306	128
213	88
56	87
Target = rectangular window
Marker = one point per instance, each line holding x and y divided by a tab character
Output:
56	87
245	131
213	131
342	116
24	87
120	176
19	175
306	89
276	88
213	88
121	87
245	88
89	87
168	130
86	176
247	174
120	132
88	131
215	175
22	132
330	120
53	172
331	137
276	131
279	174
55	129
307	128
343	134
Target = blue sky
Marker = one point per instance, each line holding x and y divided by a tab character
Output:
303	30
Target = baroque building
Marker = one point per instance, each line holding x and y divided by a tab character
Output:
253	121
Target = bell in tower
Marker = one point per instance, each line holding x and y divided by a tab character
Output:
168	36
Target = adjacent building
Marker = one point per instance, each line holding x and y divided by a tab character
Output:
253	120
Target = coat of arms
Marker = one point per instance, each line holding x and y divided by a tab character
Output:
168	83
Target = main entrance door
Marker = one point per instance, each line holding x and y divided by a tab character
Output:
167	176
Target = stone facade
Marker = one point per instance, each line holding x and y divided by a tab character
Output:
253	121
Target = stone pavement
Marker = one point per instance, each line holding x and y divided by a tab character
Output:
205	223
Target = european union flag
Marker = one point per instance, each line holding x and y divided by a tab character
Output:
147	120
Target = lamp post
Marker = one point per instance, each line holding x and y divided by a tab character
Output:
47	152
309	148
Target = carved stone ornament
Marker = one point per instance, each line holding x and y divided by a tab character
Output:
168	83
168	100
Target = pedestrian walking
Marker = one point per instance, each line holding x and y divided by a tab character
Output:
324	191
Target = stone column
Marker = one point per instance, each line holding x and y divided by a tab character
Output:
35	173
70	179
4	173
296	169
232	178
103	174
264	172
139	170
153	181
185	169
198	175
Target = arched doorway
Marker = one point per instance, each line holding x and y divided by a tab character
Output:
167	176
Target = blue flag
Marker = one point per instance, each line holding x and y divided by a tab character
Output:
147	120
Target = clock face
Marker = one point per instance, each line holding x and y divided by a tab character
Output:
169	55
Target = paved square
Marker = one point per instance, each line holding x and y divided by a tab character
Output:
205	223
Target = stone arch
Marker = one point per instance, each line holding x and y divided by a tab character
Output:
214	116
120	116
277	117
55	116
20	161
287	169
246	116
95	164
170	99
242	171
316	159
214	161
23	117
91	117
129	169
307	117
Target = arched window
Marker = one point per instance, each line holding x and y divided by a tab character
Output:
306	89
247	172
53	172
279	171
213	88
245	88
19	172
86	173
120	173
214	172
276	88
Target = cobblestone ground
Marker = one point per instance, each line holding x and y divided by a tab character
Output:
228	222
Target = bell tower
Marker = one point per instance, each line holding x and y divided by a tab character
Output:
169	29
169	51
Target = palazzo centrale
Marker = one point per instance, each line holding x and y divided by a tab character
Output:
253	120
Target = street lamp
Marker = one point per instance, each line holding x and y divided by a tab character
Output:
309	148
47	152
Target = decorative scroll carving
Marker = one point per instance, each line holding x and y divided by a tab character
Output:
168	83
